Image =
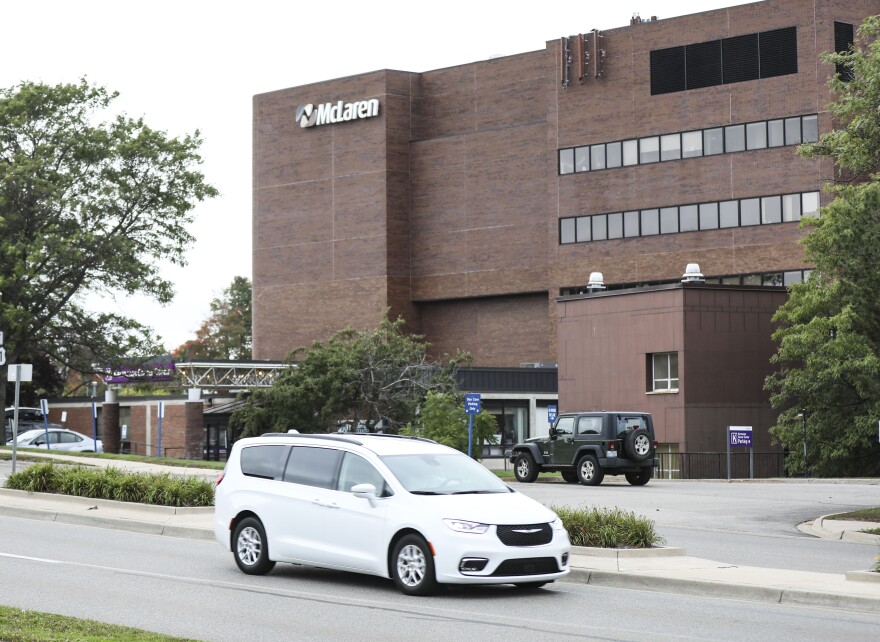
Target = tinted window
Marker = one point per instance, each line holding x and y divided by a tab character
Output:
713	141
313	466
584	229
688	217
614	154
566	161
264	461
735	138
750	211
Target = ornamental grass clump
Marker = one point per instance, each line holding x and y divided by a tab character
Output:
608	528
114	484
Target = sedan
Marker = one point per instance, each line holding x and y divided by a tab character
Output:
59	439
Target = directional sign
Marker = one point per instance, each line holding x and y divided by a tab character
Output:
551	414
472	404
740	436
20	372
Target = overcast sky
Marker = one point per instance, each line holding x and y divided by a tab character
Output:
193	64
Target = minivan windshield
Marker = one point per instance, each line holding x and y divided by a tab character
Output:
452	474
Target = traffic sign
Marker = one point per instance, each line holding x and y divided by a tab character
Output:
551	414
740	436
472	404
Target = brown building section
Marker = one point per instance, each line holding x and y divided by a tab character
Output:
719	334
446	207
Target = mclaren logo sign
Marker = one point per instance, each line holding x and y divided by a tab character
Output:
328	113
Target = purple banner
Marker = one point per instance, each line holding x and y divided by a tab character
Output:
148	372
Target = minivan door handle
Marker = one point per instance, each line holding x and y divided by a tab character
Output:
318	502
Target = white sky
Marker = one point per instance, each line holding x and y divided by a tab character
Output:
194	64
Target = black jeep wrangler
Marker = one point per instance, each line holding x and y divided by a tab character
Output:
586	446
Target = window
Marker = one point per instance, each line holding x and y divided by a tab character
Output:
357	470
664	372
264	461
734	138
566	230
589	425
584	232
792	131
692	144
775	133
709	216
810	128
630	224
649	149
713	141
600	227
771	210
843	41
566	161
750	212
565	426
670	147
615	225
791	207
688	218
630	152
313	466
810	204
614	154
668	220
756	135
729	214
582	159
597	157
650	222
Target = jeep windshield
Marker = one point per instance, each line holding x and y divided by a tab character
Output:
443	475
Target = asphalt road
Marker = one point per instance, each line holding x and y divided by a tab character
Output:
193	589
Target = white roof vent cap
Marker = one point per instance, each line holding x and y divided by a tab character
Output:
692	274
597	282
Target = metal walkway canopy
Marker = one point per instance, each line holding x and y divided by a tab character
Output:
230	374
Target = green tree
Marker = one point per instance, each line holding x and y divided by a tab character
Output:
227	333
443	419
86	205
828	356
363	376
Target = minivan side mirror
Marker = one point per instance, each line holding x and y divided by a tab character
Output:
364	491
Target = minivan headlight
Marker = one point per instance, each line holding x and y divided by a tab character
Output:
463	526
558	525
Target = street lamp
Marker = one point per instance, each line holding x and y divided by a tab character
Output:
803	416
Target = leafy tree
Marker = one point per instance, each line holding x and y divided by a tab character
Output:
444	420
363	376
829	329
227	334
86	205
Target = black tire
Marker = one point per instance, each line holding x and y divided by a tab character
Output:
638	445
525	469
640	478
530	586
249	547
570	476
588	471
412	566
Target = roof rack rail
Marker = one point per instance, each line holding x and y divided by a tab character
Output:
351	438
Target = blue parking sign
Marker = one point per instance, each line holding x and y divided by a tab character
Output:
551	414
472	404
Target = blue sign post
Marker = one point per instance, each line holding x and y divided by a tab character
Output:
44	406
551	414
471	407
740	436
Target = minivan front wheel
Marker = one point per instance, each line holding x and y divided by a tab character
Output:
412	566
250	548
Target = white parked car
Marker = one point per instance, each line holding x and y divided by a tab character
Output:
403	508
59	439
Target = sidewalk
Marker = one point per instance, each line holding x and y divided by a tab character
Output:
666	570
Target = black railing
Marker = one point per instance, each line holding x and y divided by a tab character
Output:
714	465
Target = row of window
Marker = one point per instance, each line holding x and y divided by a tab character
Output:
763	210
767	279
691	144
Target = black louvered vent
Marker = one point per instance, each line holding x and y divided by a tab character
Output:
525	534
739	56
530	566
667	70
721	62
703	64
778	52
844	36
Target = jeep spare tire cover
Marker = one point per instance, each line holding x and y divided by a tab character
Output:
638	445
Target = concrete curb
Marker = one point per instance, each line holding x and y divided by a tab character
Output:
863	576
627	553
707	588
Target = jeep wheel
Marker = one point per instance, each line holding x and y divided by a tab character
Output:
640	478
638	445
412	566
570	476
525	468
588	471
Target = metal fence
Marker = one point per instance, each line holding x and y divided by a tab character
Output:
714	465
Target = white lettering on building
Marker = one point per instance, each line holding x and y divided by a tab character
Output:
329	113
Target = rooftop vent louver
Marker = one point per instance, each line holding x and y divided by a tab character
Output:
692	274
596	283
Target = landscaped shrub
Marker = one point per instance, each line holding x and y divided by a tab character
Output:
112	483
608	528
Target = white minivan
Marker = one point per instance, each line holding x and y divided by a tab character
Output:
399	507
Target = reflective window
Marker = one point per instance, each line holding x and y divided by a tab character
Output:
597	157
600	227
630	224
750	211
751	279
630	152
668	220
649	149
729	214
810	128
792	131
772	279
614	154
692	144
771	210
582	159
313	466
734	138
566	230
791	207
357	470
756	135
810	204
566	161
584	229
670	147
790	278
713	141
688	218
775	133
266	462
650	220
615	226
709	216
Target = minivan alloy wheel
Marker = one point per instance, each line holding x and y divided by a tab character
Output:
249	545
411	565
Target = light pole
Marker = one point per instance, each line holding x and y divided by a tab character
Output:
803	416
